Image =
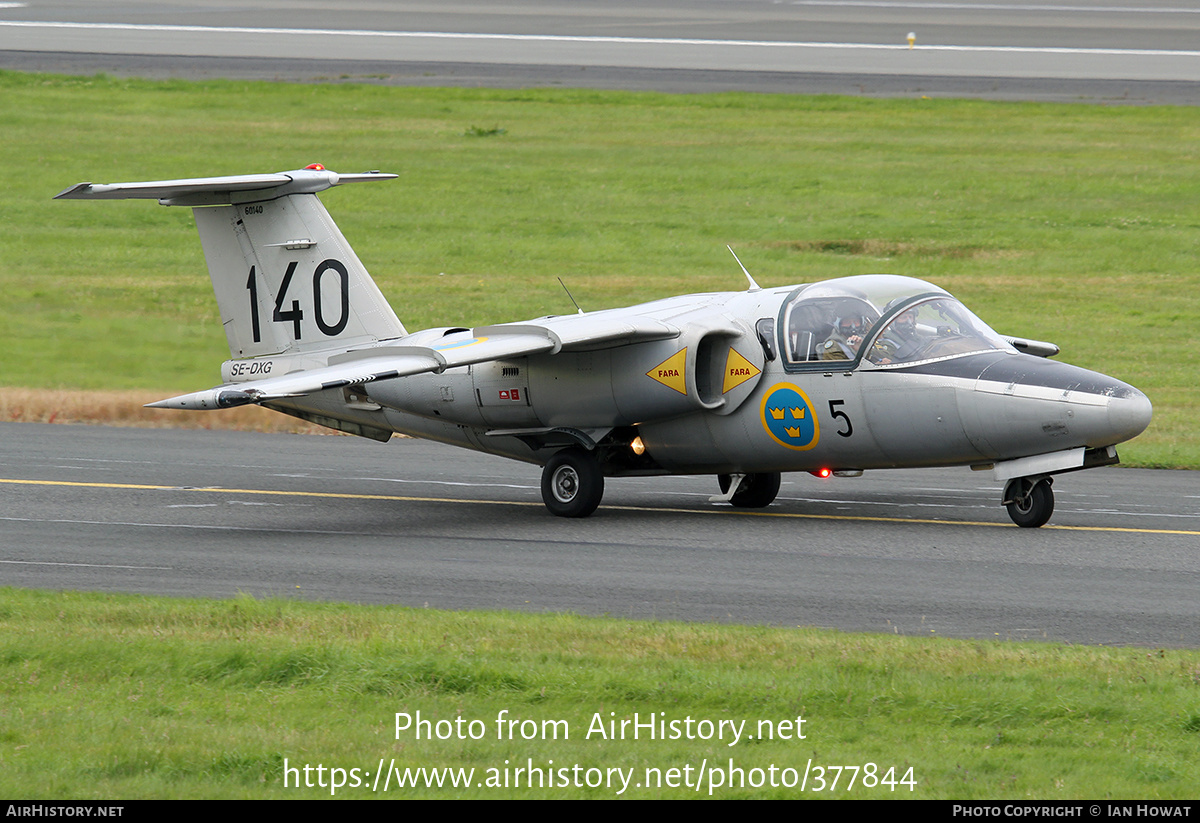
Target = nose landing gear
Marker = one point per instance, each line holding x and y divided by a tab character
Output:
749	491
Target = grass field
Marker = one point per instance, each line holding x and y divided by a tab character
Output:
106	696
1070	223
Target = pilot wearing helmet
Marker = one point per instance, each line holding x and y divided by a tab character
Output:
843	343
900	341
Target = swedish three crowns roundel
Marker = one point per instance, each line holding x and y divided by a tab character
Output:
788	417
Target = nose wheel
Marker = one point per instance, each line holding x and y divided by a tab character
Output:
1029	500
572	483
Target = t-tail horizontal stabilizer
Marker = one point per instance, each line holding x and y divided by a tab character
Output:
286	279
220	191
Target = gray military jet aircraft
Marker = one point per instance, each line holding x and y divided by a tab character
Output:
835	377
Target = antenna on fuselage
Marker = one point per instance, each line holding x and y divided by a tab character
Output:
753	286
568	291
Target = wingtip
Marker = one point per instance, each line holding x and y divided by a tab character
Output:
70	190
218	398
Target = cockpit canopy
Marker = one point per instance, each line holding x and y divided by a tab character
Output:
880	319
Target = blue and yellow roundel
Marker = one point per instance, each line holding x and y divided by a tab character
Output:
458	344
789	418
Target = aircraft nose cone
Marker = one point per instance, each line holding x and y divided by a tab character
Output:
1079	407
1129	414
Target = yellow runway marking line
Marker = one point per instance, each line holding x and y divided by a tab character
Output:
725	511
224	490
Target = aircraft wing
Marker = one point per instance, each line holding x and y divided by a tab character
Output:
584	332
483	344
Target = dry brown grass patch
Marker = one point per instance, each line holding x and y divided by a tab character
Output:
887	248
125	408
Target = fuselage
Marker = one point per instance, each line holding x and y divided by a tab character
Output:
763	381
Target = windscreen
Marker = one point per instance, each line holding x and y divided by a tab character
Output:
855	319
932	330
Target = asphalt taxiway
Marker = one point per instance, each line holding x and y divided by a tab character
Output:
1126	51
215	514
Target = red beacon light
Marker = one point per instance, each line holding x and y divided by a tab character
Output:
822	473
314	167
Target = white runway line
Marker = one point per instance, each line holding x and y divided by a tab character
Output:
566	39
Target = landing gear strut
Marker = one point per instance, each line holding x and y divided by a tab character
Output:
1030	501
572	483
754	491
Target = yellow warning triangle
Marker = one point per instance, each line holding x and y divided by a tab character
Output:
670	372
737	370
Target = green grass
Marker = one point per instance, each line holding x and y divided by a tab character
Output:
1065	222
106	696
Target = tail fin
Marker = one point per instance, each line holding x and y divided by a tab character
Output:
285	278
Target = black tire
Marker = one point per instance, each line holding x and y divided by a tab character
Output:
572	483
757	491
1034	509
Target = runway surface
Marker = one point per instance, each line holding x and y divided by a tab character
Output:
1132	51
338	518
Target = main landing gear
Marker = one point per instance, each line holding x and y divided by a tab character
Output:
1029	500
572	483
